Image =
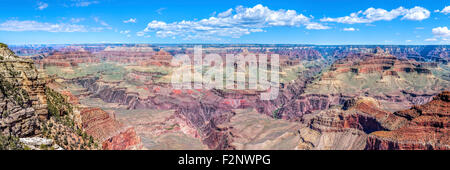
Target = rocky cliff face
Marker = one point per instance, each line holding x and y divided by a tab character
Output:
428	128
22	97
105	131
344	129
365	126
113	134
398	82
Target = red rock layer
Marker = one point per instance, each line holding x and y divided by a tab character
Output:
67	59
124	140
146	58
377	62
428	128
102	126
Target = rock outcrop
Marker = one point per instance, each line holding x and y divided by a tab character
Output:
95	122
113	134
428	128
341	129
22	96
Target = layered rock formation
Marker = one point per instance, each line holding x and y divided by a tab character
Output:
400	83
365	126
22	98
428	128
67	59
113	134
95	122
344	129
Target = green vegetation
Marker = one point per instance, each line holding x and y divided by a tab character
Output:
275	114
111	70
61	111
57	104
152	69
172	127
10	143
442	72
9	90
3	45
378	83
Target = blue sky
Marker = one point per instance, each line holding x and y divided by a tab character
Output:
231	21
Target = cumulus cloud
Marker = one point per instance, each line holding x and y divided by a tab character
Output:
233	23
42	5
227	13
131	20
445	11
378	14
15	25
350	29
441	32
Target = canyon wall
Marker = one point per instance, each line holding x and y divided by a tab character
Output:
22	98
104	129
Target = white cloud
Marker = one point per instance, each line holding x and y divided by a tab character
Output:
408	40
15	25
350	29
417	13
140	33
232	23
131	20
431	39
42	5
102	23
160	10
316	26
227	13
445	11
76	20
441	32
125	31
377	14
83	3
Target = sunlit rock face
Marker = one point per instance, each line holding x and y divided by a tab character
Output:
22	97
428	127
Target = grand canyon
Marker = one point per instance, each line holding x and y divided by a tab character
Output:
196	79
120	97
